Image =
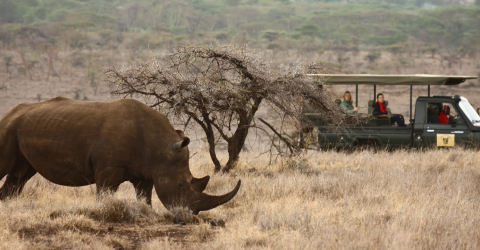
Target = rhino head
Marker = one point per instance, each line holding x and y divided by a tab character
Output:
175	185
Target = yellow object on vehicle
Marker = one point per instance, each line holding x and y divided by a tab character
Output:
445	140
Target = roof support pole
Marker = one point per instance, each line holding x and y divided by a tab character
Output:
411	87
428	90
374	93
356	96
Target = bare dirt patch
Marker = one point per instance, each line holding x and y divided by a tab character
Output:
129	236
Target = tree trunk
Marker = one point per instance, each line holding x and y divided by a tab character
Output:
235	146
207	128
236	142
211	150
213	155
25	65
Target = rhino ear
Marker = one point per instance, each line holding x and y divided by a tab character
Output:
181	144
185	141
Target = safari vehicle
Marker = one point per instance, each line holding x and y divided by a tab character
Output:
422	130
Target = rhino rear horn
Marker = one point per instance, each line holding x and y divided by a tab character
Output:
178	145
200	184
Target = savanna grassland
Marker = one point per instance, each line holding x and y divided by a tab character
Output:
319	200
359	200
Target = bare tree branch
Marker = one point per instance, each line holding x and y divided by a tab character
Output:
287	142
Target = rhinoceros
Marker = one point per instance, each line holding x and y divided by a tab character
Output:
77	143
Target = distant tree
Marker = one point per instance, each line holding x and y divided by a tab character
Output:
30	34
420	3
7	60
221	89
74	34
8	11
173	13
6	38
222	37
51	53
233	2
309	30
372	56
242	15
271	35
395	49
430	49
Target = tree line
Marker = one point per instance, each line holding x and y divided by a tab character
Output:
431	26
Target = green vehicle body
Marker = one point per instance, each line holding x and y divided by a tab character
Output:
464	129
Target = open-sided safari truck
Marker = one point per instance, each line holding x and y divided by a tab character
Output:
422	130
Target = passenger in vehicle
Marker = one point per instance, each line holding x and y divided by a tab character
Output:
444	116
379	108
433	113
347	105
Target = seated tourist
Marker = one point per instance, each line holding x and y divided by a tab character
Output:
347	105
444	116
433	113
379	108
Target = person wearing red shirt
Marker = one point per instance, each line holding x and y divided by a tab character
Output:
379	108
444	116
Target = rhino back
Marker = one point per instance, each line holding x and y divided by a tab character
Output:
66	140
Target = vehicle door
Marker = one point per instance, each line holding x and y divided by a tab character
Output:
447	131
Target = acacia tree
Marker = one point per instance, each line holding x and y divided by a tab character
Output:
221	89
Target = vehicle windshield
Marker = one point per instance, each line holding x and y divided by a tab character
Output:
469	111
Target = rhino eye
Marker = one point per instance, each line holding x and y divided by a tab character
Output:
180	185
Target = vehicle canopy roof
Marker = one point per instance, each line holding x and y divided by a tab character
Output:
367	79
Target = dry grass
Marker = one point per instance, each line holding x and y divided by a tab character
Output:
367	200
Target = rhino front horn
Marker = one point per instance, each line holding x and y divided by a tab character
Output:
208	202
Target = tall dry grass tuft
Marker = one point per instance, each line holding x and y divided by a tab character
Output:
48	216
113	209
68	240
10	240
181	215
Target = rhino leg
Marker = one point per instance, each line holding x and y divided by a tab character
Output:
143	188
8	152
108	179
13	185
